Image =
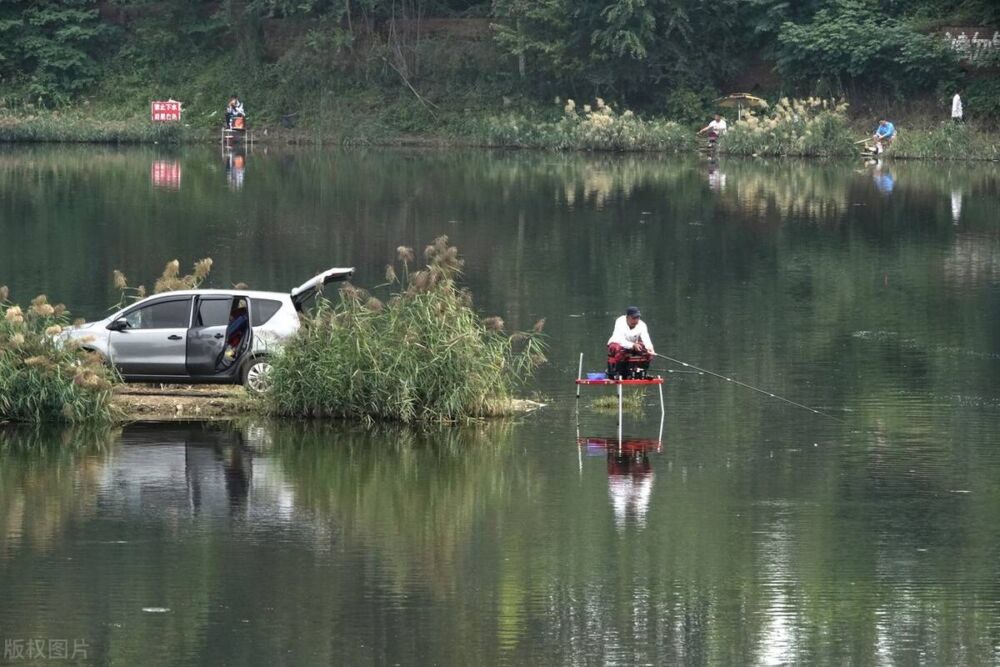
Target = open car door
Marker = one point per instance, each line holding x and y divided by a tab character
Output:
308	289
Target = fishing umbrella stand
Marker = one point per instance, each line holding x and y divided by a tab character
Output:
739	101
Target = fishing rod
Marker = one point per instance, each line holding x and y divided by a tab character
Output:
744	384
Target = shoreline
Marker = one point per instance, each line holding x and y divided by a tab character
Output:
207	402
936	144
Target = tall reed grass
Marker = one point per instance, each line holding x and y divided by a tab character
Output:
43	378
812	127
593	128
423	354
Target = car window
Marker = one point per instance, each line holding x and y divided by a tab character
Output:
213	312
172	314
263	310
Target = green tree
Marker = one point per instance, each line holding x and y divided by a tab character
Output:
854	45
625	47
49	48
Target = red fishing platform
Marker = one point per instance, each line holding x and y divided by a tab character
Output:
593	381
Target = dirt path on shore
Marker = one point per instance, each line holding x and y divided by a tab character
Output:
181	402
210	402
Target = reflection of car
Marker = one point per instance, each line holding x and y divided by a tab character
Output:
204	335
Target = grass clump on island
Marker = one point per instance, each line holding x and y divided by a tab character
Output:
43	379
633	402
423	354
594	128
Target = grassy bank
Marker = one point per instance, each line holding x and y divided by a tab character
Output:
802	128
590	127
77	127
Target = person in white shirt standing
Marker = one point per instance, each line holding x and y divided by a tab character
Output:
956	108
630	350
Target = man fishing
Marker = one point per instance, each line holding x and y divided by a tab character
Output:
715	128
884	135
629	349
234	110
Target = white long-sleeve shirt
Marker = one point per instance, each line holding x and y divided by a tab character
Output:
956	106
627	337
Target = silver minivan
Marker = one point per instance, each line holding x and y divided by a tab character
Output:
220	336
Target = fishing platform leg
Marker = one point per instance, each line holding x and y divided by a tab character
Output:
663	413
619	415
579	376
663	410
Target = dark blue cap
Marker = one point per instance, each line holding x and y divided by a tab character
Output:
632	311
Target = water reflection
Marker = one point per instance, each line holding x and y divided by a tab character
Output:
47	476
716	177
761	533
973	259
235	162
787	190
630	475
885	182
166	174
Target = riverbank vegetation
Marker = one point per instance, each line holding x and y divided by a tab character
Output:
422	354
483	71
590	127
42	379
810	127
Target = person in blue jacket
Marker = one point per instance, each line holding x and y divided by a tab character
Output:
884	135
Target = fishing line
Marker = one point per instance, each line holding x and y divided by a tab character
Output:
748	386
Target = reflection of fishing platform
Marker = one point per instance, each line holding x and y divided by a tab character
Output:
631	446
620	383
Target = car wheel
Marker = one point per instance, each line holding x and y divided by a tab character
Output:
257	375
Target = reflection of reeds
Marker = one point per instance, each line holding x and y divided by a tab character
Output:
784	190
972	260
420	354
46	476
414	496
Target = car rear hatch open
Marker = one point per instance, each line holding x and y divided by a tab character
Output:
308	289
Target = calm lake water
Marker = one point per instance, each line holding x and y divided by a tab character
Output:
741	530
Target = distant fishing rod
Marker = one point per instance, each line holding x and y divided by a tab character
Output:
744	384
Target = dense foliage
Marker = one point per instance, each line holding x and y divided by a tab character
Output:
854	43
50	48
422	355
309	59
